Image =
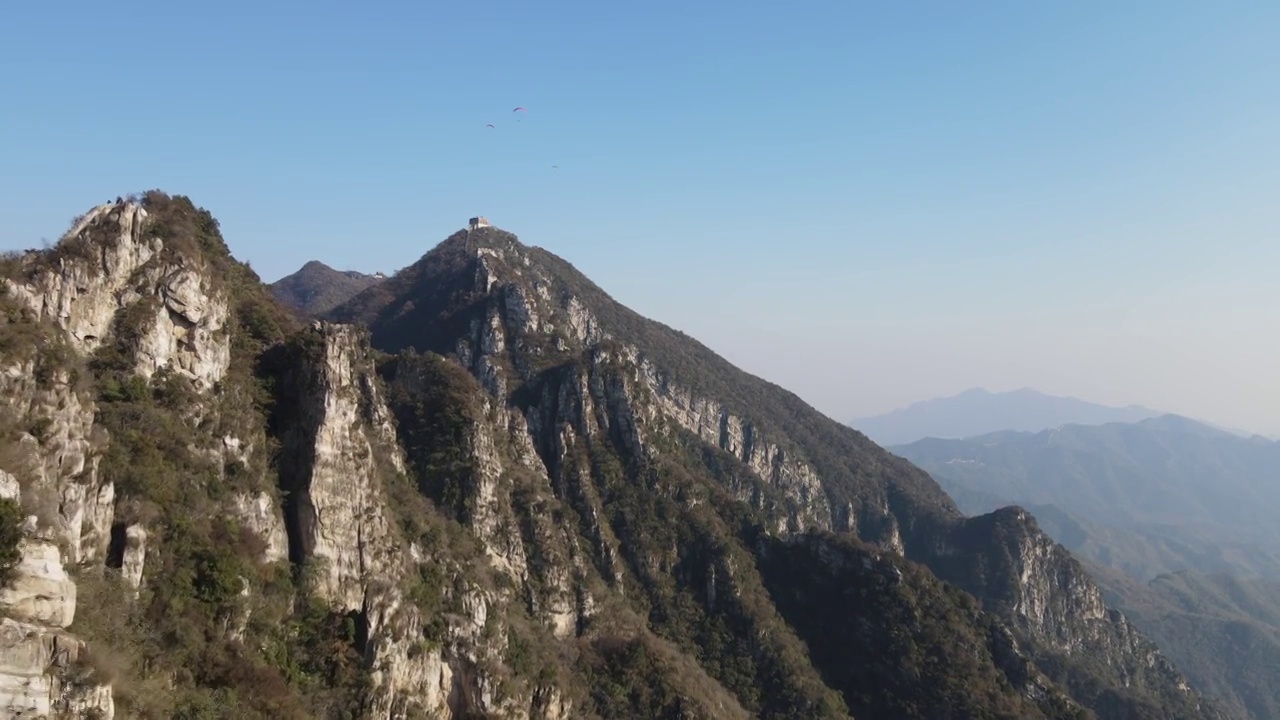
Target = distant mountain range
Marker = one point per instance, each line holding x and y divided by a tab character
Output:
979	411
316	288
1142	552
1169	473
1176	520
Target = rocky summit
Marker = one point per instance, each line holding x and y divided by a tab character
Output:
481	488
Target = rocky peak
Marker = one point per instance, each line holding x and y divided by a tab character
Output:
77	283
484	275
112	259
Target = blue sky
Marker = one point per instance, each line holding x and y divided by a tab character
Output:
869	203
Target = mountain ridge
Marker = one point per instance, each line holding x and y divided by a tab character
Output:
1163	471
499	494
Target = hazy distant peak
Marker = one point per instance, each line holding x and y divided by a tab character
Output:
1174	421
979	411
1171	422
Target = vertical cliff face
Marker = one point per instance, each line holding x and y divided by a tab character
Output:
862	581
342	469
333	475
55	446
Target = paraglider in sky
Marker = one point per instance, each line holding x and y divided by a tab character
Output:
517	112
490	125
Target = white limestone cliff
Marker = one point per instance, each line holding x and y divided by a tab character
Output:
341	527
39	676
108	262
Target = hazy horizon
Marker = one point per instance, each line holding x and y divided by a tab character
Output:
870	206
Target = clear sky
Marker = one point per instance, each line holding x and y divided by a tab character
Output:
868	203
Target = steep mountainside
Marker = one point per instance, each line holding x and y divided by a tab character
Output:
1166	476
531	328
316	288
520	501
978	412
1221	629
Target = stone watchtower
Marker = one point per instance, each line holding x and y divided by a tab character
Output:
476	223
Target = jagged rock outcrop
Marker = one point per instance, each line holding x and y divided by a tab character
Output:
108	262
95	260
499	487
50	468
39	675
336	514
799	568
186	333
62	462
263	516
39	671
712	422
42	591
